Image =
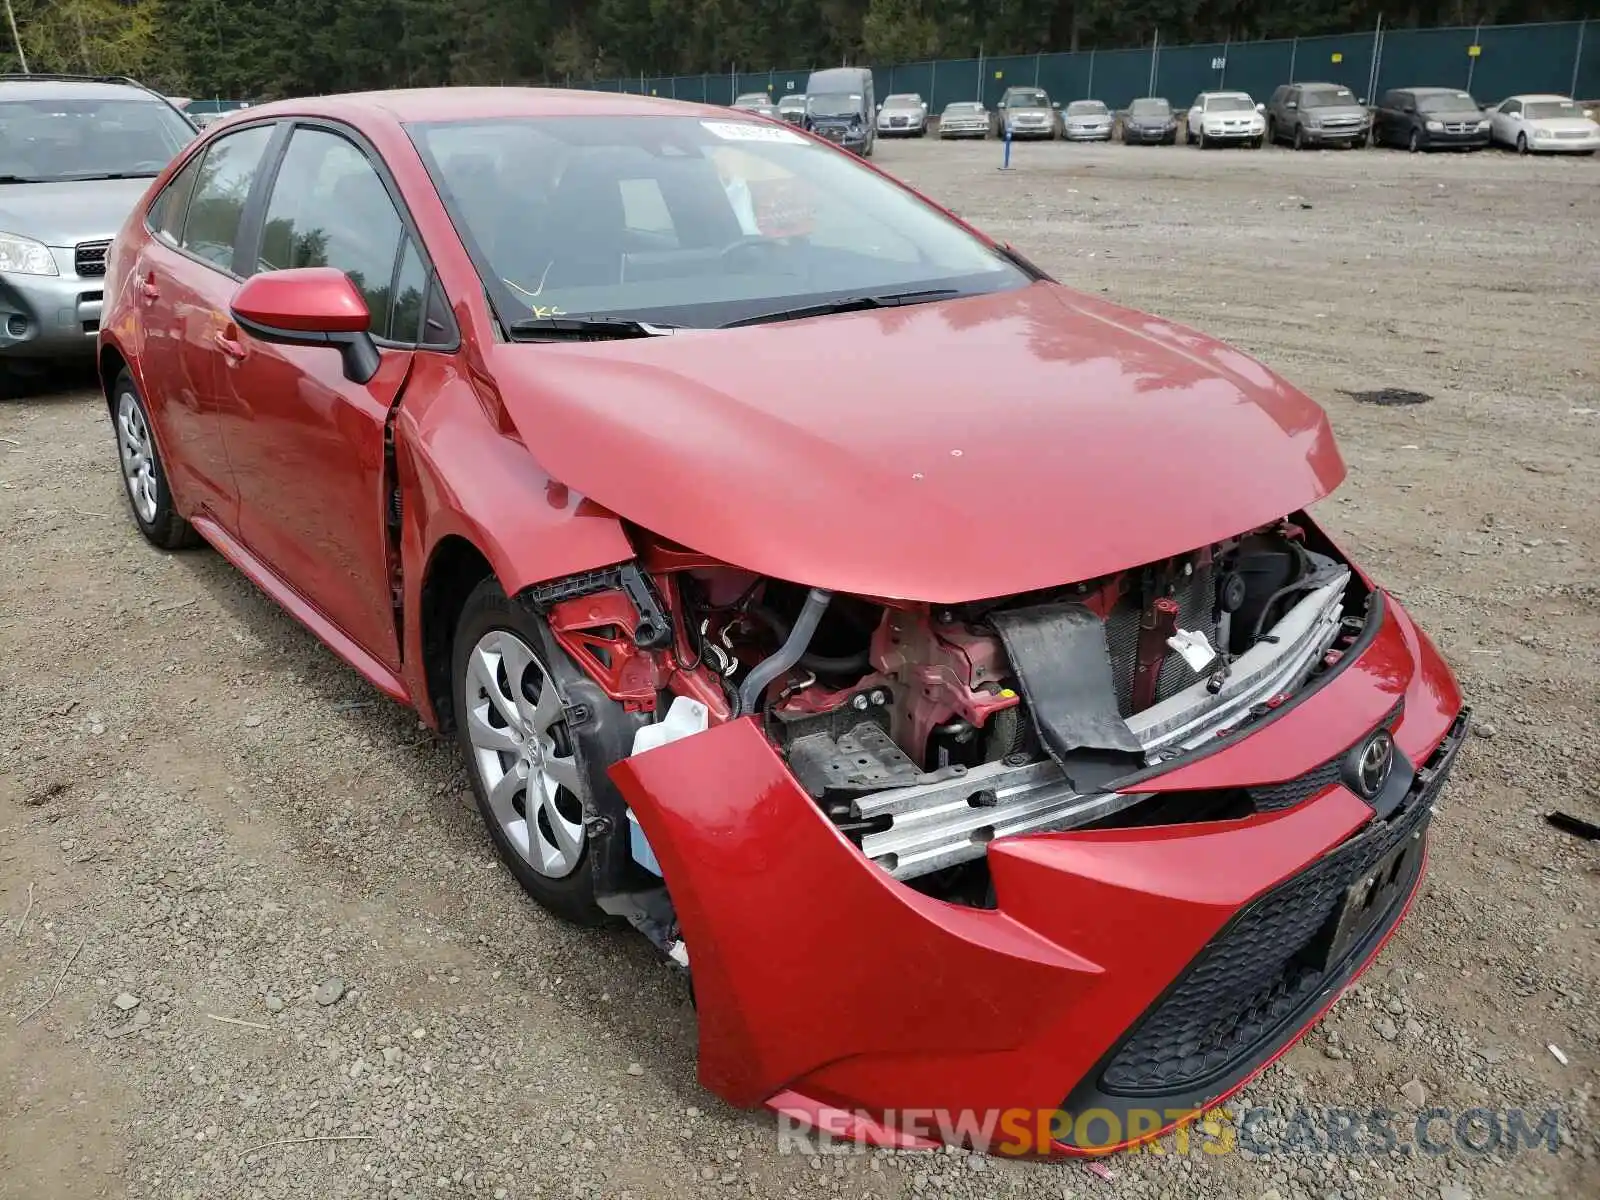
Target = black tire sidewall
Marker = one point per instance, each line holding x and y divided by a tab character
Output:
487	609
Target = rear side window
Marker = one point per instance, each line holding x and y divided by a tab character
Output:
329	208
221	188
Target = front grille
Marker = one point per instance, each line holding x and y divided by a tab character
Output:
1196	599
89	259
1571	133
1243	992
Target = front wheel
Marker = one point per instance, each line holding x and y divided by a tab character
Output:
526	765
1414	142
1255	143
1299	138
143	476
1272	132
1522	143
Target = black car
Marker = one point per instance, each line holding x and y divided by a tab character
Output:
1149	120
1430	119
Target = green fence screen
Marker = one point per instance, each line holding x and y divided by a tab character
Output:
1490	61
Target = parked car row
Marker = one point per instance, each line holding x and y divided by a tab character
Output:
1302	115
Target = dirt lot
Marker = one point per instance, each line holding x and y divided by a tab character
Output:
201	808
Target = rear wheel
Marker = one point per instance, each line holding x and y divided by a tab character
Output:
527	768
143	477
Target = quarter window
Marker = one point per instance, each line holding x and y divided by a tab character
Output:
329	208
221	187
167	213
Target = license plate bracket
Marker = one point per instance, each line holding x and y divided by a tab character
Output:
1371	896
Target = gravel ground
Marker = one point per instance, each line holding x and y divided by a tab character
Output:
256	906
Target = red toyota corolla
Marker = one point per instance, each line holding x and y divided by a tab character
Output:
938	662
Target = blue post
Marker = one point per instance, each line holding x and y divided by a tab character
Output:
1005	132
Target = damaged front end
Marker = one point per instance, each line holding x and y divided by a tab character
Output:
1018	821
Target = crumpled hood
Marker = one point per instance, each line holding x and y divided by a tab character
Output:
939	452
64	214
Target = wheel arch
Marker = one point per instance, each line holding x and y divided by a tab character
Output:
455	567
111	362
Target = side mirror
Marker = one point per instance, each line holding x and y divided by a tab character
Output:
1057	104
310	306
1261	108
1411	108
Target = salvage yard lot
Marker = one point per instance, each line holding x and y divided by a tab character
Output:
216	817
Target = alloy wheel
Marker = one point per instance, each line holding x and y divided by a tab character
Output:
137	451
523	753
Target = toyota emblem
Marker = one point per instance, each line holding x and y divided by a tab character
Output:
1375	764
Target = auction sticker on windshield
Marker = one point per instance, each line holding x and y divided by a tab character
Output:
749	131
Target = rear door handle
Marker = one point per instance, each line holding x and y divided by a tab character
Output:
230	348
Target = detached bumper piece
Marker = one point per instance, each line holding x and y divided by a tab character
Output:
1272	967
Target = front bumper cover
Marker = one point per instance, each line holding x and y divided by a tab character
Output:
825	987
51	316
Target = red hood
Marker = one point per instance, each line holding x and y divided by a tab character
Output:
940	452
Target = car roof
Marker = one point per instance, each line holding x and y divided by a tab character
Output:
1241	95
1434	91
1541	96
73	89
407	105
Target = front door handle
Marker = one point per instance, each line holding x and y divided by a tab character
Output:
231	348
148	289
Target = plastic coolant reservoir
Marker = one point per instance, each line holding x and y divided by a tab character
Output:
684	718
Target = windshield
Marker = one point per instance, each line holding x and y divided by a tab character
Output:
965	109
1086	108
751	100
902	102
792	102
834	106
1454	102
1327	98
1229	104
1028	100
47	141
1539	110
1150	108
685	221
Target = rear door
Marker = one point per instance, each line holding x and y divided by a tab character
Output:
308	446
183	279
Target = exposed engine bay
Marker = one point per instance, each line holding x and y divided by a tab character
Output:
924	732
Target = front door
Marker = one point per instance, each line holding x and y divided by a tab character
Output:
307	445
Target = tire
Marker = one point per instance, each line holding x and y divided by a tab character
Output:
549	855
1361	142
1255	143
1522	143
1414	142
1272	132
1299	138
1204	145
144	478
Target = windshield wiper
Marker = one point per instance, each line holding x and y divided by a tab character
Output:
20	179
844	305
580	329
88	176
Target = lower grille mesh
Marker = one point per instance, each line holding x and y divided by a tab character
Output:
1261	971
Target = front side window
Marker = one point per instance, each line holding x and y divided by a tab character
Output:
221	187
329	208
52	141
686	221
